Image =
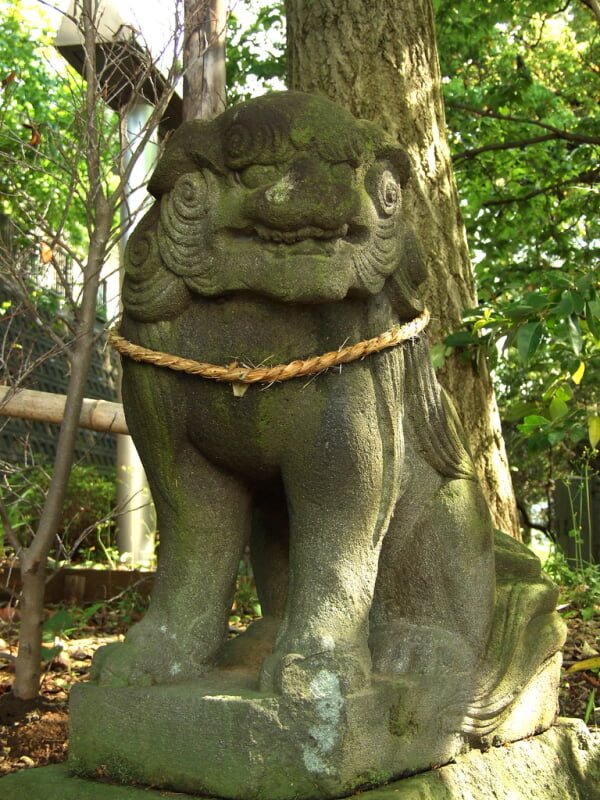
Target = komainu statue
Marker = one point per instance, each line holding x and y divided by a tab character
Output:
277	384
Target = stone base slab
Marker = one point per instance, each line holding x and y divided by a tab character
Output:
563	762
222	737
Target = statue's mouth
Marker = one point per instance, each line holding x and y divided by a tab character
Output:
309	232
310	240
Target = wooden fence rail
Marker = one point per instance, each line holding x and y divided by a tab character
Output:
96	415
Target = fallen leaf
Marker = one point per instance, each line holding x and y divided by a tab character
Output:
587	663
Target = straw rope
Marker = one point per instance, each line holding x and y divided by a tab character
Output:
282	372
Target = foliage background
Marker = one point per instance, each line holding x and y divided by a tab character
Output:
37	129
521	84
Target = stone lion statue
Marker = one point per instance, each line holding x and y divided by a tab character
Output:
277	234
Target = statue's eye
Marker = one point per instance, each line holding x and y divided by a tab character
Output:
342	172
388	193
258	175
383	185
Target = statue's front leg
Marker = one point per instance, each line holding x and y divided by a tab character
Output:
339	503
203	516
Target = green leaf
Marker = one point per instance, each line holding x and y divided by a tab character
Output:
566	305
49	653
594	305
585	283
564	392
88	613
57	624
487	322
561	280
532	423
578	302
575	337
519	410
577	433
535	420
558	388
558	408
461	339
537	301
537	442
593	322
594	429
519	311
528	340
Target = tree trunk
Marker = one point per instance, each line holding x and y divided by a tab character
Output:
378	59
204	59
33	559
29	656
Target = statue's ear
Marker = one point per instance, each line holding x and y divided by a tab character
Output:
194	145
399	158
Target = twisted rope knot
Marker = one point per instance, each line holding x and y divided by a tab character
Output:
281	372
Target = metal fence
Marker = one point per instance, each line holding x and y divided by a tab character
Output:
24	359
24	348
49	269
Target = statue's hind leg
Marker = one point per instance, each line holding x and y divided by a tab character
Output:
435	593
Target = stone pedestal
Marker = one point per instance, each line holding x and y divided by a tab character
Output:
561	764
222	737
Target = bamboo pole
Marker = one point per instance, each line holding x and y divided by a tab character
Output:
96	415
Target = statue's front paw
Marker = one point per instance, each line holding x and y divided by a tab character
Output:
308	676
117	664
133	664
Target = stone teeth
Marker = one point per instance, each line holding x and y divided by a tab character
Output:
300	235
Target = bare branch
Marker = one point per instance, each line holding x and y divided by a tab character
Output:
518	144
555	133
590	177
100	194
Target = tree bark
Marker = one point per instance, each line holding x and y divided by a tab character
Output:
33	559
378	59
204	94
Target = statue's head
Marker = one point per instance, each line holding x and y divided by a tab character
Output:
287	195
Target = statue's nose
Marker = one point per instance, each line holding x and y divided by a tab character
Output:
308	194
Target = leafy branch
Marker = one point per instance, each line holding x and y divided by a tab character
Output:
589	177
554	134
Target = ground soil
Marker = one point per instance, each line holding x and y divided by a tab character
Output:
35	733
